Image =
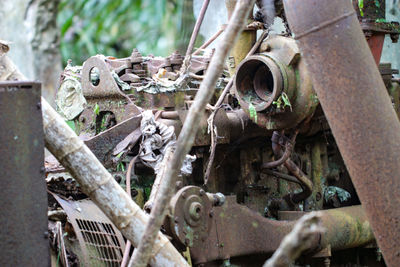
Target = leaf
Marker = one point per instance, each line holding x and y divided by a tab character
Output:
253	112
361	6
286	101
96	109
71	124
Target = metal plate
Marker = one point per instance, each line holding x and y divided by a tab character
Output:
23	204
101	242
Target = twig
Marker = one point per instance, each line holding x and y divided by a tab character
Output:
186	137
214	140
61	245
128	244
186	62
208	42
297	241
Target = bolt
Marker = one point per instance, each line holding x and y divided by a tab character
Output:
187	241
176	219
42	169
211	214
178	184
39	105
46	235
202	192
183	194
220	199
195	210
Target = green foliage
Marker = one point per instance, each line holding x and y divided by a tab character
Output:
361	6
253	112
115	27
282	98
96	109
71	124
381	20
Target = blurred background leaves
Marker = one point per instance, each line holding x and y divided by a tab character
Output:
115	27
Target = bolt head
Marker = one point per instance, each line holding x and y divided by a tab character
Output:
187	241
179	184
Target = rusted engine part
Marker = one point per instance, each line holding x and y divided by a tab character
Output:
63	184
221	232
190	223
99	240
109	105
274	87
284	158
372	17
232	126
103	144
244	42
110	197
363	125
24	201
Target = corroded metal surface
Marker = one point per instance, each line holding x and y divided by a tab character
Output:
357	107
190	221
237	231
106	86
273	87
104	143
23	204
346	227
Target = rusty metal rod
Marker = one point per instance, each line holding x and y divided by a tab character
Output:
357	107
196	29
306	183
288	151
186	137
346	227
281	175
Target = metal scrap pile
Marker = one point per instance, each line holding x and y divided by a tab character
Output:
262	157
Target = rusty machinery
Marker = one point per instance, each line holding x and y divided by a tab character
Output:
276	156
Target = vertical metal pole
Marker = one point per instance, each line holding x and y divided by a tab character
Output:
358	108
23	201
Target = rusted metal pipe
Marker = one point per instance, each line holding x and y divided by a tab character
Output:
346	227
305	182
357	107
288	151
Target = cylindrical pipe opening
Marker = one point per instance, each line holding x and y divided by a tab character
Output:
258	82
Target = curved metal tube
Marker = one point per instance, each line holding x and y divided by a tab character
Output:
306	183
288	151
357	107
